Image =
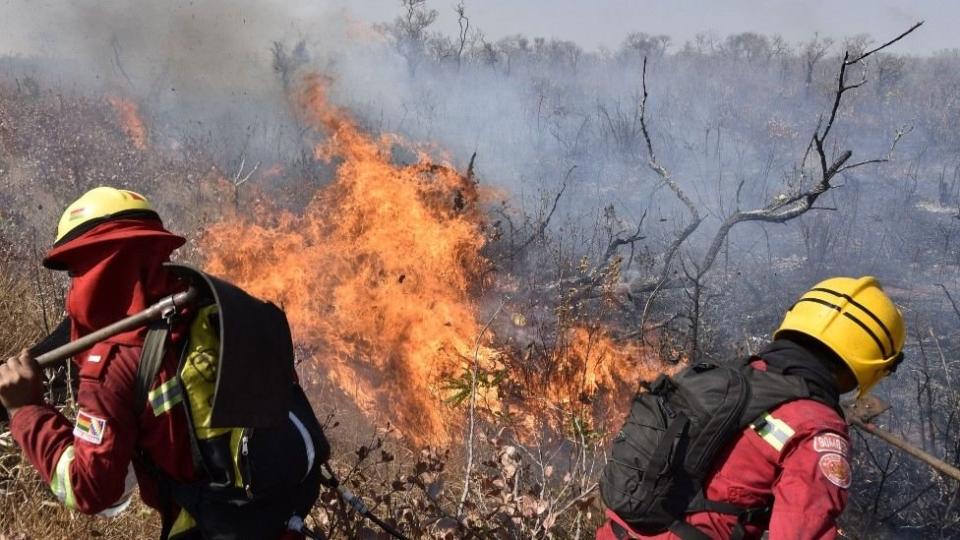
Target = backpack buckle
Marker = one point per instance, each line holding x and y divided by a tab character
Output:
758	515
169	314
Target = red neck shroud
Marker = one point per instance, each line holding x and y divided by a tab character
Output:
117	270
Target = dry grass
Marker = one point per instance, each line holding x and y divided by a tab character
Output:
30	511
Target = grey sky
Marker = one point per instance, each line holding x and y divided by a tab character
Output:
606	22
32	26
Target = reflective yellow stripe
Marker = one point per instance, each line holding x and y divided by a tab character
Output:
60	483
773	430
182	525
164	397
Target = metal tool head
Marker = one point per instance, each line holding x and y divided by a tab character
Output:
865	409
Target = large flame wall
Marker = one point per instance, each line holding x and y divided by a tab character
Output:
380	277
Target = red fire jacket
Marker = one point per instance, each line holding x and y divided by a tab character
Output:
89	464
800	466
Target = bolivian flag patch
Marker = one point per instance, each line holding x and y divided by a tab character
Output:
89	428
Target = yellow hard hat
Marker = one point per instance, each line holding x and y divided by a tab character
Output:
99	205
857	321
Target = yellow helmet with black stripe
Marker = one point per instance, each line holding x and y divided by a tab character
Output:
857	321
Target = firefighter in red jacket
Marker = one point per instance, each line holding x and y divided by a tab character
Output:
112	244
797	462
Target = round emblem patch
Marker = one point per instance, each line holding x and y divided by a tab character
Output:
836	469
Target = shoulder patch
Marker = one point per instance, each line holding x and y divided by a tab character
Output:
95	360
831	442
836	469
89	428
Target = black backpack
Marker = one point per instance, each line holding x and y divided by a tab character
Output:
260	447
675	430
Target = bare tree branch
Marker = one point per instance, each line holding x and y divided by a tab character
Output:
887	44
542	227
786	209
473	408
777	212
950	298
464	23
470	169
862	163
652	157
115	45
240	178
617	242
695	218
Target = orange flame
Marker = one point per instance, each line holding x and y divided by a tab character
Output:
381	276
593	376
375	274
130	121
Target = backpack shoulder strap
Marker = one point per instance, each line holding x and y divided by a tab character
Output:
769	389
790	361
151	356
685	531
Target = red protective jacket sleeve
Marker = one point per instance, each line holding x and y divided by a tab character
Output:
86	463
811	490
43	434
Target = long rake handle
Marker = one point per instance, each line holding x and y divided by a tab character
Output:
941	466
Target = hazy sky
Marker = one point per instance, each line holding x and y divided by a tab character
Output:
605	22
31	26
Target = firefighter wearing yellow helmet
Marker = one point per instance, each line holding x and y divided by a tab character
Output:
784	467
146	417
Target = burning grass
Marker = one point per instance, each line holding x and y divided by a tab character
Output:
383	275
131	123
